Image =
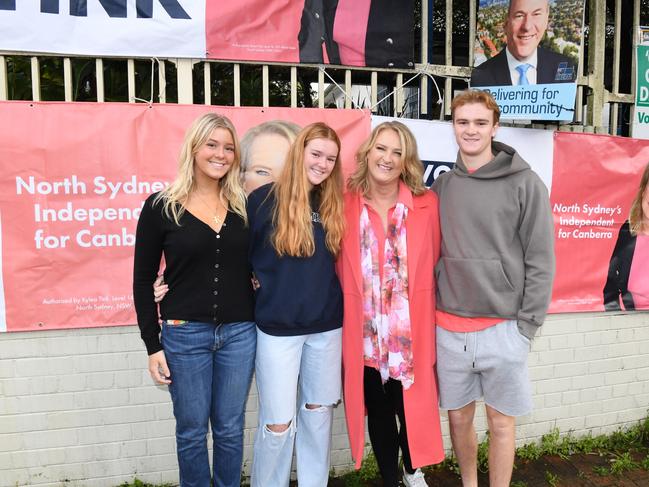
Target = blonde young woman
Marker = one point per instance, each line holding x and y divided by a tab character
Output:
296	226
263	152
205	349
389	251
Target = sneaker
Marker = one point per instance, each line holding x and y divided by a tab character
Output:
415	479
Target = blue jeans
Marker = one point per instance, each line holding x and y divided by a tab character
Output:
211	370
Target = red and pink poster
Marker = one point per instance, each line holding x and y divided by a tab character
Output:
350	32
74	177
73	180
595	179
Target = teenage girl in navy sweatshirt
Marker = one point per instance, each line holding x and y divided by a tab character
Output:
296	226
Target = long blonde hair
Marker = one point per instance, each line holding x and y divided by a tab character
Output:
637	216
412	172
292	217
175	196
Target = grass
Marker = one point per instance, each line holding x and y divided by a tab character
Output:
623	463
618	444
551	478
619	463
369	471
645	463
619	447
601	471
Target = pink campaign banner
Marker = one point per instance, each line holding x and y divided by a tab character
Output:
74	177
595	179
348	32
265	30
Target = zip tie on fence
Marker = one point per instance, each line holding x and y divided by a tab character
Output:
162	89
424	70
150	101
440	99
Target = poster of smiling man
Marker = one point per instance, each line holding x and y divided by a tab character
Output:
527	54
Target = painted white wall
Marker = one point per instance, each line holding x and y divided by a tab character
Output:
77	407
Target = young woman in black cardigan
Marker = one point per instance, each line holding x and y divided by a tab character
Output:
205	349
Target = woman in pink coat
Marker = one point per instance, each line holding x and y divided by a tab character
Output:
389	250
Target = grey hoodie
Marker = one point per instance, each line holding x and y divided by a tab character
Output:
497	256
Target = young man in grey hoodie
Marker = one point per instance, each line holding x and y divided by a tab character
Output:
494	282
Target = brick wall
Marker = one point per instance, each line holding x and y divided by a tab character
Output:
77	407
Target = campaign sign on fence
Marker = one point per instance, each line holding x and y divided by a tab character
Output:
73	180
351	32
527	55
641	119
535	102
74	177
170	28
595	180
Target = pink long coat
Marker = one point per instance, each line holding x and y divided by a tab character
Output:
420	400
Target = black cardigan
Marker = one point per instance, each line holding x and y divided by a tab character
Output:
208	273
618	272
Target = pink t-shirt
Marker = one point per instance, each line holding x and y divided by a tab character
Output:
464	324
638	284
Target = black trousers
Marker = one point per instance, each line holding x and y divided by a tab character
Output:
383	403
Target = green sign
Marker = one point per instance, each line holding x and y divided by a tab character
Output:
642	77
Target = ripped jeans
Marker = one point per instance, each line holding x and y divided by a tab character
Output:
291	373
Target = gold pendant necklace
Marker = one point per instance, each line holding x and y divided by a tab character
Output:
218	222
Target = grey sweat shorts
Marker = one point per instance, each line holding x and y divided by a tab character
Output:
490	363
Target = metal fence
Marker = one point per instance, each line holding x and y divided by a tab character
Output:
604	102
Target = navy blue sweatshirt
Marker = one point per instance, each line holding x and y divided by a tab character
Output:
298	295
